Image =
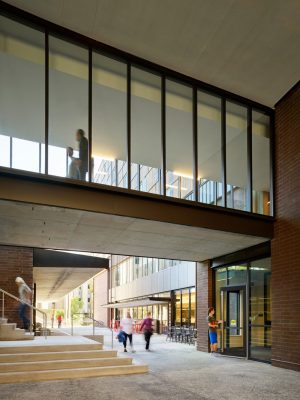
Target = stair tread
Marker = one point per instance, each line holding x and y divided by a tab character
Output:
54	352
52	348
73	360
110	367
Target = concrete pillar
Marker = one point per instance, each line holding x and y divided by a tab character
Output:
204	289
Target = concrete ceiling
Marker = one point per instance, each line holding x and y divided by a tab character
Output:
55	282
247	47
56	273
59	228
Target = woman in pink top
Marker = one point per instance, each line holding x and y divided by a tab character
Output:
148	330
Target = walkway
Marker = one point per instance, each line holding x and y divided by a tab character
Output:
177	371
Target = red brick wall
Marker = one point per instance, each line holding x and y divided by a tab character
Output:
286	242
204	301
14	261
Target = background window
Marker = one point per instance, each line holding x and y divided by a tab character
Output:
145	131
68	109
109	147
179	141
261	162
22	97
209	149
236	156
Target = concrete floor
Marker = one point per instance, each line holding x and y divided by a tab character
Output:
177	371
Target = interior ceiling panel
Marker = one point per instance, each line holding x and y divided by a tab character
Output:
235	45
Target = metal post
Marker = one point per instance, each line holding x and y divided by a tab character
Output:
72	325
222	319
2	305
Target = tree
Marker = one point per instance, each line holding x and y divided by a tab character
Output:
76	306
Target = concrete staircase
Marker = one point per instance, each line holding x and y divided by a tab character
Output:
51	362
11	332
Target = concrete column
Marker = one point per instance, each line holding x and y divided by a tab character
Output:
204	290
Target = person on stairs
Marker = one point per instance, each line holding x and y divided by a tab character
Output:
25	297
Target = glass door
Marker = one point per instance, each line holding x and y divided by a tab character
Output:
233	334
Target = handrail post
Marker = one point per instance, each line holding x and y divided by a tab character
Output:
46	333
72	324
3	305
93	327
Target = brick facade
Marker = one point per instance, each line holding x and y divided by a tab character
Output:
14	261
204	284
286	242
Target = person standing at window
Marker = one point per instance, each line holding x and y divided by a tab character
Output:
83	159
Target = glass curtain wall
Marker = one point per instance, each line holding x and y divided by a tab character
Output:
22	96
185	307
145	131
256	276
109	126
236	157
210	183
68	110
72	99
260	314
261	167
179	141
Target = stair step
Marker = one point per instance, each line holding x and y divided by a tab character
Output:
48	356
3	321
50	348
8	327
16	338
47	375
64	364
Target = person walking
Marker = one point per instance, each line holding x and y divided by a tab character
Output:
213	325
25	297
59	320
126	326
148	329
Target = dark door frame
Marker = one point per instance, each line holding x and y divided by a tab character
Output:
237	288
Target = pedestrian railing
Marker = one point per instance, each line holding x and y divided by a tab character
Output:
5	293
95	324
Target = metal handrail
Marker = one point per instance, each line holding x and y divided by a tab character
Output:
4	292
101	323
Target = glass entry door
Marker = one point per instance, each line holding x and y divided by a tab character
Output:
233	315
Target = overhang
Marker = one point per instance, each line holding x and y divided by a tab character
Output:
136	303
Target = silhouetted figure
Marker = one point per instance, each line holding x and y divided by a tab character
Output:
83	159
25	297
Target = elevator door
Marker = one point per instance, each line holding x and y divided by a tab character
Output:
233	335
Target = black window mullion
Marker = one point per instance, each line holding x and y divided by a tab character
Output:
10	151
163	135
249	202
223	147
272	165
46	100
129	125
195	143
90	115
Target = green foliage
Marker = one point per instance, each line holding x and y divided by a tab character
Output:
76	306
60	312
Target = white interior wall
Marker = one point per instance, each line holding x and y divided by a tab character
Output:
177	277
